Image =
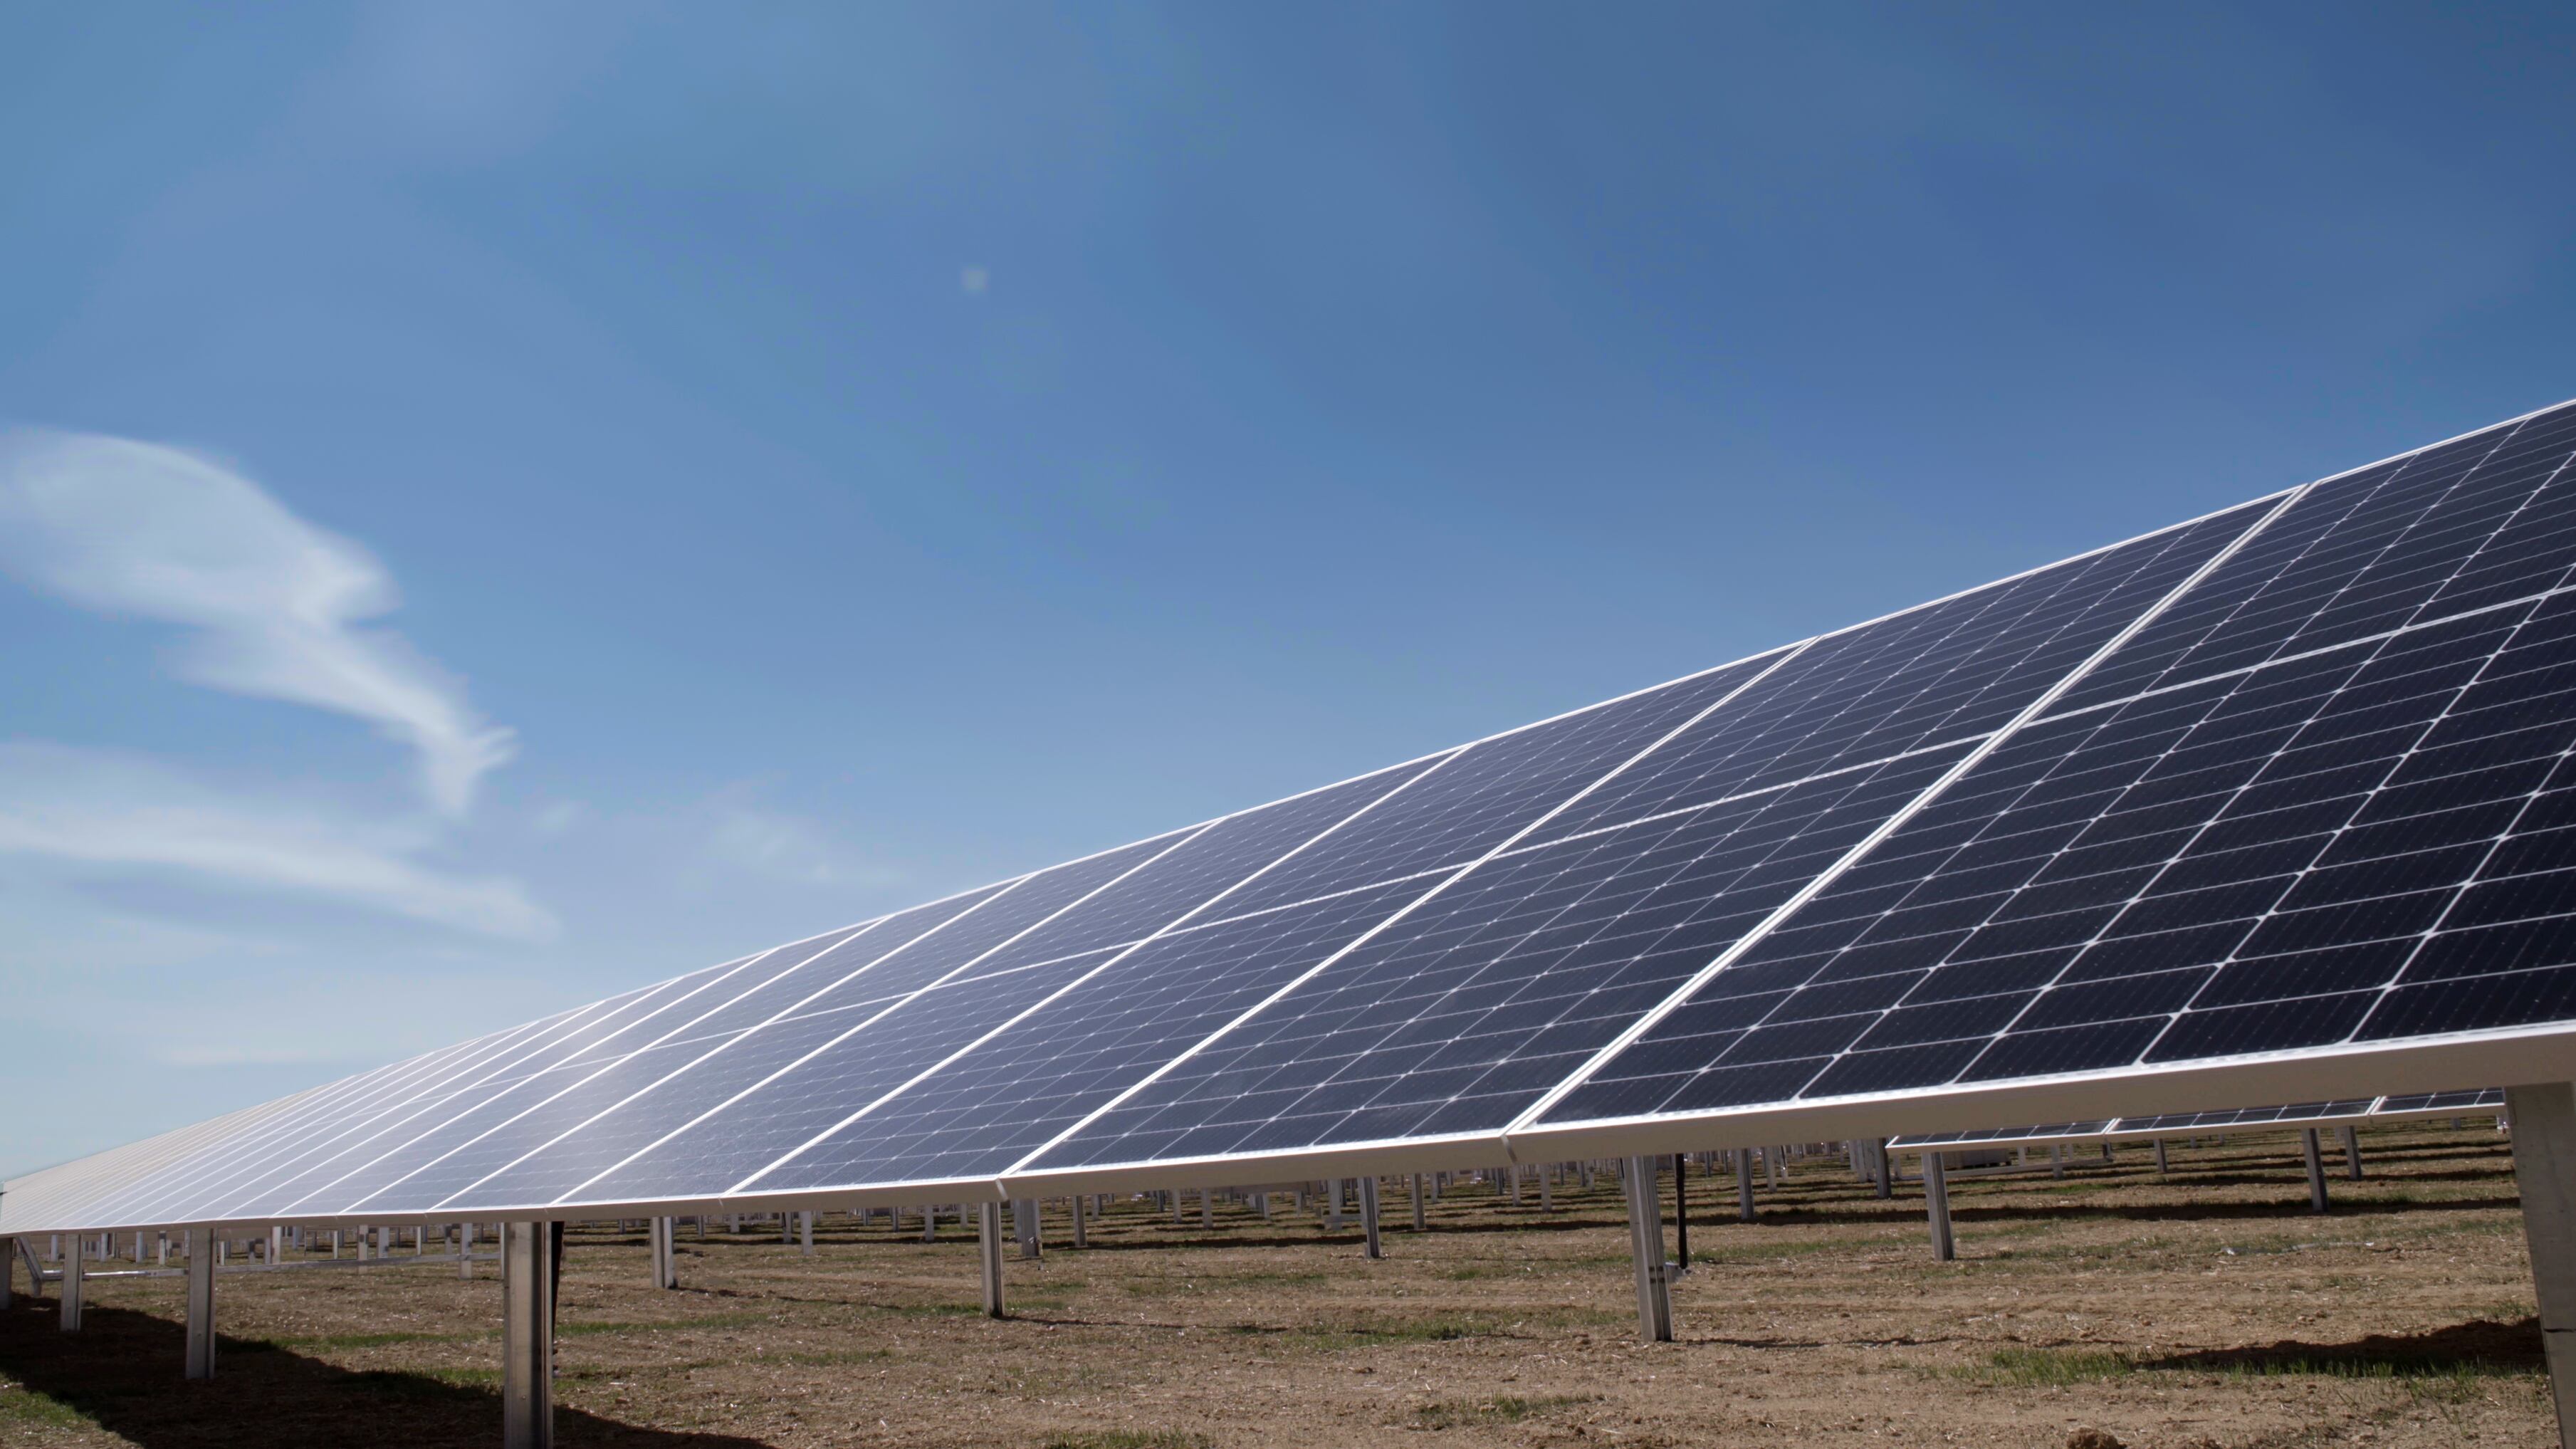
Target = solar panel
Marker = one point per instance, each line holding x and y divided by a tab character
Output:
2271	805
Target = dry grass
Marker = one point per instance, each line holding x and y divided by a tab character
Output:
2207	1308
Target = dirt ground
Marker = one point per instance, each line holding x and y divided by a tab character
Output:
2208	1307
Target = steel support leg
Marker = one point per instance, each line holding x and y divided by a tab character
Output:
1646	1242
1681	1210
2160	1157
805	1232
1744	1184
666	1256
988	1222
201	1304
2544	1166
2316	1170
1024	1226
1419	1225
527	1335
1878	1161
1081	1236
1333	1205
2352	1154
1936	1200
1368	1216
71	1310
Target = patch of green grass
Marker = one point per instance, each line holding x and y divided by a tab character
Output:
31	1409
1509	1409
1127	1439
2024	1368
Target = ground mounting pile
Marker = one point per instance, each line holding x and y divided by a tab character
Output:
2274	805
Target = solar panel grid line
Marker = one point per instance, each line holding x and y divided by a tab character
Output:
2519	601
641	1008
2494	847
1096	900
2183	852
982	898
1984	749
2518	482
230	1159
2278	611
1288	988
1180	839
84	1180
535	1058
209	1139
1780	787
1862	624
1998	628
589	1068
1489	797
1169	928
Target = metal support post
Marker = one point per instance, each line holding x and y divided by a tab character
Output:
1024	1226
929	1223
200	1362
71	1309
1886	1171
666	1256
1332	1205
2160	1157
1081	1237
988	1222
2057	1160
1546	1187
2352	1154
2316	1170
1681	1211
1207	1207
2544	1167
1646	1242
1936	1199
527	1335
1744	1184
1419	1225
465	1250
1368	1216
805	1232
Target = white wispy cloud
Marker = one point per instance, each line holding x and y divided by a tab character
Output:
154	532
120	811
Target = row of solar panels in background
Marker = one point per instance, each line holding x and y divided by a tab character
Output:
2180	1124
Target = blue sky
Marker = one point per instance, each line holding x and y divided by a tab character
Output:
502	503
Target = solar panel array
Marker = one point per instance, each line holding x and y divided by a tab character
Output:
2282	780
2349	1110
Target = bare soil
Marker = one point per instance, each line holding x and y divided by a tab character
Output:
2207	1307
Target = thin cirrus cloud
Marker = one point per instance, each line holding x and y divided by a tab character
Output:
277	606
108	809
274	608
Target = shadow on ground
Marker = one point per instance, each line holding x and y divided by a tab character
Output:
121	1371
2481	1345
